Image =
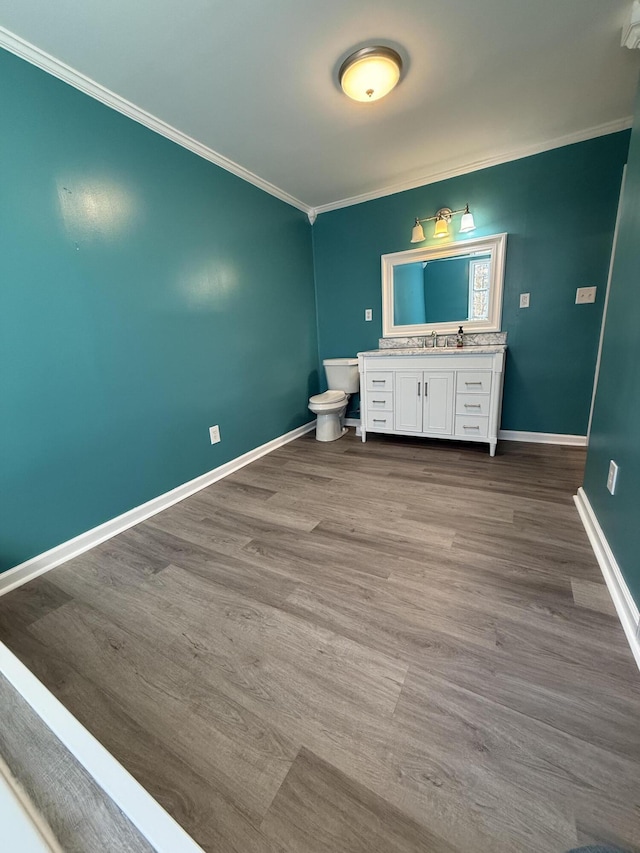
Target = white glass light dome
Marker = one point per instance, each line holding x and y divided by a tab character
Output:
370	73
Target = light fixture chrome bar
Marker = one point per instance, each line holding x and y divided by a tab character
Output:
444	213
442	219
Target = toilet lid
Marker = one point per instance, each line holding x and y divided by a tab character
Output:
329	397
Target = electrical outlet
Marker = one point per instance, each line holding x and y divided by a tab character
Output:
585	295
612	479
214	434
368	314
524	300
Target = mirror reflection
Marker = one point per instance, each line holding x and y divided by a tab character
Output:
443	289
438	288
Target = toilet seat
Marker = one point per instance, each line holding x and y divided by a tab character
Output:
329	398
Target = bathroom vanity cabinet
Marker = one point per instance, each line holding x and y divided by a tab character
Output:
433	393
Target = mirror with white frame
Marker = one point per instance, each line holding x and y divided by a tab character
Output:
439	288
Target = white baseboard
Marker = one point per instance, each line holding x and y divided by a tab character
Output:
543	437
514	435
626	607
30	569
148	816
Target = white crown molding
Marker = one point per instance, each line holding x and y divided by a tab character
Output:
508	157
36	56
24	49
631	29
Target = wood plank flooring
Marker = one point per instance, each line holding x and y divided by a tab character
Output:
393	647
79	814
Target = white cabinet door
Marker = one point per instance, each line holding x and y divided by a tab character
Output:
438	389
408	401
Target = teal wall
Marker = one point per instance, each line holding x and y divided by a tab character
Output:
615	431
408	294
446	290
559	210
145	294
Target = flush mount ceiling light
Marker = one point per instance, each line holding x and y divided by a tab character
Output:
442	220
370	73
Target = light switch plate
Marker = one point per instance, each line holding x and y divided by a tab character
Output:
584	295
524	300
612	479
214	434
368	314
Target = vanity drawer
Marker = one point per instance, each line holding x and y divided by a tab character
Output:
471	426
473	381
472	404
379	421
380	401
379	380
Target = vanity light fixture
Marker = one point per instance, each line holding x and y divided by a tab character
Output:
442	220
370	73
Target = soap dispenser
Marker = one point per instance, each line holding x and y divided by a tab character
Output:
460	338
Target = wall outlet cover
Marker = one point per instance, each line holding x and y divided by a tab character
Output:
368	314
524	300
585	295
214	434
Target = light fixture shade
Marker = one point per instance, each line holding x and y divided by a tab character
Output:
467	223
370	73
417	235
441	229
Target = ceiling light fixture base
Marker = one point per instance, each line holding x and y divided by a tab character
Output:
370	73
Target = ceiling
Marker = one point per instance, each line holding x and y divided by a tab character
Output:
256	82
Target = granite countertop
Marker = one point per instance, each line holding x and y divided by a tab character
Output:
435	351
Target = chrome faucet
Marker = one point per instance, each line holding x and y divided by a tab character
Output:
434	336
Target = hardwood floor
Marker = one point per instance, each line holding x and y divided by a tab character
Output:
400	646
80	815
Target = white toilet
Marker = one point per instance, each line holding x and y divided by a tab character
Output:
343	380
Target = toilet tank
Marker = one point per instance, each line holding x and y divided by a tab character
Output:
342	374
